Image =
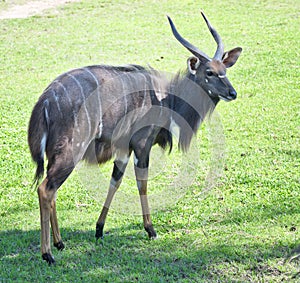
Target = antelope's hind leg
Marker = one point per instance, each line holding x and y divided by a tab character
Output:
47	201
57	241
46	197
58	172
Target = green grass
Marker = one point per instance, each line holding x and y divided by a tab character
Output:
239	231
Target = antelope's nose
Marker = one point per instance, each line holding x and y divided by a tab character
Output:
232	94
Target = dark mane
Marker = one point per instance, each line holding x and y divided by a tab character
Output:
190	104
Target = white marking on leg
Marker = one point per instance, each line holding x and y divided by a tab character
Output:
174	128
113	182
135	160
139	184
100	129
160	95
121	156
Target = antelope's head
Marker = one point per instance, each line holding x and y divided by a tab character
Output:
210	73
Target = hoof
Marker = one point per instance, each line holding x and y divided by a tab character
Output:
151	233
60	245
48	258
99	231
153	237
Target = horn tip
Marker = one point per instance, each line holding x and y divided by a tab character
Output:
171	24
204	17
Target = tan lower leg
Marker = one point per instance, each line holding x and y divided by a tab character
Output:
142	185
145	204
54	225
45	198
101	220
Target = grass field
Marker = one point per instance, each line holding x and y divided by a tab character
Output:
240	230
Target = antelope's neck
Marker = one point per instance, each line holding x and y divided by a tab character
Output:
189	102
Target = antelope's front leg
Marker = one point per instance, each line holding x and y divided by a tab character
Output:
141	173
116	179
142	186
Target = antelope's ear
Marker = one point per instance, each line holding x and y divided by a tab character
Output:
193	64
230	57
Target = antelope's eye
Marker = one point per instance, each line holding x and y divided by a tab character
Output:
209	73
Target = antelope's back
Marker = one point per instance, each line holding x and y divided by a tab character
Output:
92	102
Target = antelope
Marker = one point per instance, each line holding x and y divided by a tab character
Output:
100	112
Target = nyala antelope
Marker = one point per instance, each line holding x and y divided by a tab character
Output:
100	112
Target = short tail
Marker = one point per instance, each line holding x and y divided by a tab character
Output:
37	137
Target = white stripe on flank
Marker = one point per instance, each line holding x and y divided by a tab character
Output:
84	104
99	101
123	93
57	102
69	100
125	98
88	71
145	92
65	91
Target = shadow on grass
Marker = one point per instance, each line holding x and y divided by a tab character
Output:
125	255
